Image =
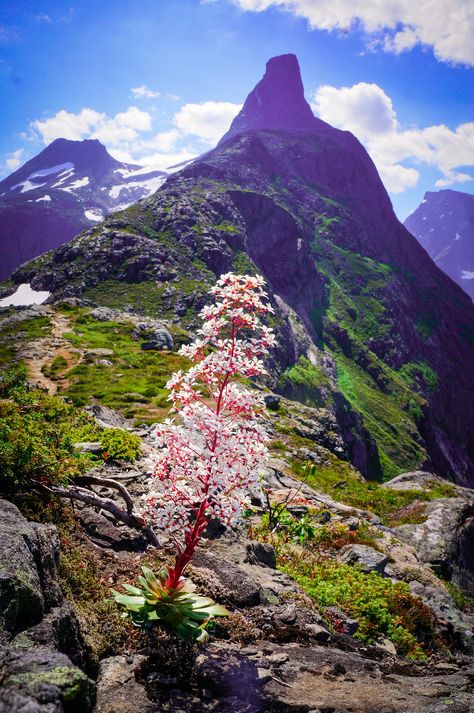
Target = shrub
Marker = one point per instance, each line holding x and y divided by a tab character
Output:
120	445
35	436
382	608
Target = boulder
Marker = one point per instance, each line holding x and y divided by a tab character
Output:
35	621
28	556
153	335
368	559
261	553
446	539
415	480
43	681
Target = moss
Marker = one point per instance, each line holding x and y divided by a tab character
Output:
243	265
462	600
305	382
388	417
27	329
382	608
345	485
105	632
426	323
76	691
420	376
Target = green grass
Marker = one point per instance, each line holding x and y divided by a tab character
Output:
135	382
389	417
420	376
426	323
305	382
342	482
28	329
146	297
355	324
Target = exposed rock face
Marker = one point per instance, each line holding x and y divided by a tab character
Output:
444	225
66	188
388	339
277	102
446	539
368	559
36	623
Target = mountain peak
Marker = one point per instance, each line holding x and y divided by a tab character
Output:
277	102
88	153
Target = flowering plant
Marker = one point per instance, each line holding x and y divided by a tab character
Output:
207	464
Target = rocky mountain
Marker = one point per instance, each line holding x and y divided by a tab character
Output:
372	334
444	224
66	188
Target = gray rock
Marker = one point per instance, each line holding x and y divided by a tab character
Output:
104	314
107	417
41	680
415	480
261	553
368	559
28	556
272	401
446	539
98	352
241	589
34	614
89	447
153	335
117	689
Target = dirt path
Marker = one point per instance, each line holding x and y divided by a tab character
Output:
39	354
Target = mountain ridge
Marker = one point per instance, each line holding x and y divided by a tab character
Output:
443	224
64	189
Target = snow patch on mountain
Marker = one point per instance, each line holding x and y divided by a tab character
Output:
150	185
54	169
43	198
94	214
63	176
25	296
80	183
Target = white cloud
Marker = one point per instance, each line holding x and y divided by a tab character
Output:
364	109
129	134
144	92
394	26
397	178
13	160
451	178
368	112
207	120
124	126
66	125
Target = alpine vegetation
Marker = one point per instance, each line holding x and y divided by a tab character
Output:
208	460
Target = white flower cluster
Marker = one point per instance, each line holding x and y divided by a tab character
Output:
208	462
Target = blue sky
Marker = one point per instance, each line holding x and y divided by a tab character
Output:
158	81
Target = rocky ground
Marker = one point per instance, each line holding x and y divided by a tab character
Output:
277	651
274	653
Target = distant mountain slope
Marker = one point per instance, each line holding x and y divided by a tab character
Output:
370	331
66	188
444	224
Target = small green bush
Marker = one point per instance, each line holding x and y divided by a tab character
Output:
382	608
120	445
35	436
